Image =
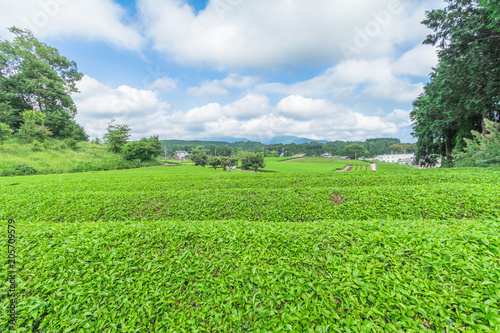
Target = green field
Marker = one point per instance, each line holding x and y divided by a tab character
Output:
192	249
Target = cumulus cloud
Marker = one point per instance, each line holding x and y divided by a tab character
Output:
293	115
268	33
378	79
98	104
418	61
100	20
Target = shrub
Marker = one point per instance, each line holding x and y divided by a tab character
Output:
25	169
36	146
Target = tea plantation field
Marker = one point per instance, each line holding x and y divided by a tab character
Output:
191	249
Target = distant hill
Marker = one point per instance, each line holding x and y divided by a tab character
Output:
289	139
221	141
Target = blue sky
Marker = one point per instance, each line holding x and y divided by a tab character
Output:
194	69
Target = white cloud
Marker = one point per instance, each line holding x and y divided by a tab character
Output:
266	33
208	88
220	87
375	79
249	107
100	20
98	104
294	115
417	61
164	84
302	108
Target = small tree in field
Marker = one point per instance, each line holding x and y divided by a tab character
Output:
252	161
228	162
214	161
117	136
199	158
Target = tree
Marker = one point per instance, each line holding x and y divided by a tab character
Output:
117	136
33	126
252	161
199	158
465	86
354	150
214	161
35	76
228	162
143	150
494	8
5	132
482	150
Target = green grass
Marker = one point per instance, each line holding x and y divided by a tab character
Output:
191	249
56	157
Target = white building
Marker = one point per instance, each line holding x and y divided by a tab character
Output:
181	154
394	158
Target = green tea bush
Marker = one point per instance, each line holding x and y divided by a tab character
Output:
222	276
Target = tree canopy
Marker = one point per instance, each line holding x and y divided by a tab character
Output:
34	76
465	86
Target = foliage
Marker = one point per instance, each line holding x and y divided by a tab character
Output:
33	126
494	8
35	76
374	147
354	151
71	143
380	276
464	87
482	150
183	249
24	169
143	150
117	136
199	158
56	156
214	161
228	162
5	132
252	161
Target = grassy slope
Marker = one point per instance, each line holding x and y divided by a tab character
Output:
215	261
56	157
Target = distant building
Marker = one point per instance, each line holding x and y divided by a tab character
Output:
181	154
407	161
326	155
394	158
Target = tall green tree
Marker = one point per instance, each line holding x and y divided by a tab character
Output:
35	76
116	136
354	150
465	86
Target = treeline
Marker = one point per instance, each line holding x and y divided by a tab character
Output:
368	148
463	95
